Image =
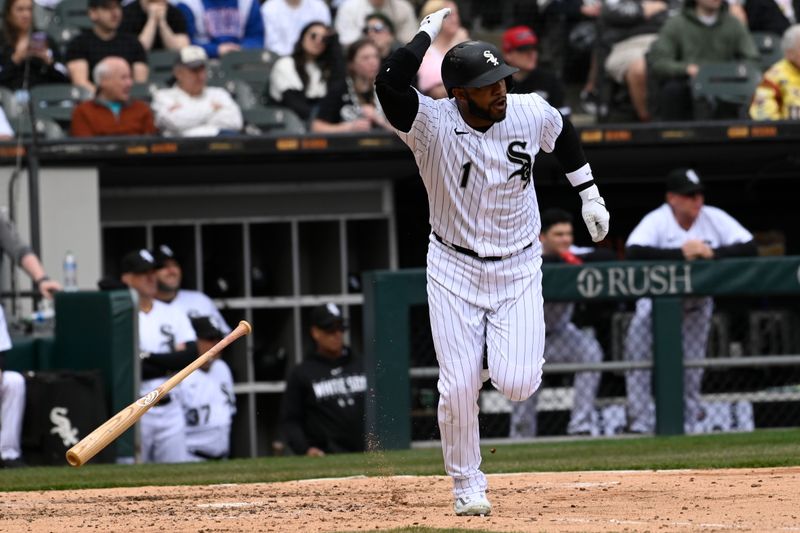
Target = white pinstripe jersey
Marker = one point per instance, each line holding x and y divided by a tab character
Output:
478	184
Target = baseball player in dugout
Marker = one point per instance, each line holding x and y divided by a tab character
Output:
682	228
323	407
12	384
167	343
565	342
475	152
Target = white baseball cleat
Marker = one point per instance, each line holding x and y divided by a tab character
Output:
473	505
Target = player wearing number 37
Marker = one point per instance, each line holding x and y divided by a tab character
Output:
475	153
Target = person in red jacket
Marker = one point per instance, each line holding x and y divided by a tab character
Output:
112	112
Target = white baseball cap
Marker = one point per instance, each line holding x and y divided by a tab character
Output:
192	56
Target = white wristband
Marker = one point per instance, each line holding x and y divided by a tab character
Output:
580	176
590	193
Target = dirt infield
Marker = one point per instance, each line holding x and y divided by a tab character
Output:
684	500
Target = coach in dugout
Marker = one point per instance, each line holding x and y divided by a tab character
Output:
323	406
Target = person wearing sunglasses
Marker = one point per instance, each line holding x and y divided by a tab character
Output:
300	80
380	30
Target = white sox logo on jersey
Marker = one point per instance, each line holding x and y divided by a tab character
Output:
62	426
520	157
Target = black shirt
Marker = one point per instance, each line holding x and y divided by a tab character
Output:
93	49
12	75
134	18
343	104
323	405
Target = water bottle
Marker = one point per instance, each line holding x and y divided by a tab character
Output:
70	273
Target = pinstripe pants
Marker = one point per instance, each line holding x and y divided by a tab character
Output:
473	302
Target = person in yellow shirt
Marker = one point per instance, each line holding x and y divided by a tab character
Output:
777	97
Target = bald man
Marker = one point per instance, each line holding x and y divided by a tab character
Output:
112	112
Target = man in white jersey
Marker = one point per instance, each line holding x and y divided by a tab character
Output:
167	343
12	384
475	154
208	400
169	276
683	228
564	342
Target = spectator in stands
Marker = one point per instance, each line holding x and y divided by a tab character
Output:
224	26
629	27
380	29
682	228
86	50
565	342
351	15
12	384
208	400
27	57
429	75
169	278
6	131
158	24
703	32
521	50
301	80
112	112
777	97
322	410
351	105
284	21
772	16
190	108
167	343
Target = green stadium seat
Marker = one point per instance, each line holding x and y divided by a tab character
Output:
272	119
729	83
250	66
46	128
769	48
239	90
145	91
160	63
56	101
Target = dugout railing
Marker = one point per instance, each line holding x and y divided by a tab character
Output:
750	377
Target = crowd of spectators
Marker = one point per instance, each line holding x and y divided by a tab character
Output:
647	53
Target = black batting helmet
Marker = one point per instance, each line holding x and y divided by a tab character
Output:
474	64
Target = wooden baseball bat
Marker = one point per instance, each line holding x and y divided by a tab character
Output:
115	426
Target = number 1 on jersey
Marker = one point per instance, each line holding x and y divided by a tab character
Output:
465	170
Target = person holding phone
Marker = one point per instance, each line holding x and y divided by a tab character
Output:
21	43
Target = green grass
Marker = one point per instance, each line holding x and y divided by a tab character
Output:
758	449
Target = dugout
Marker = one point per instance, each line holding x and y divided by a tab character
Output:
270	226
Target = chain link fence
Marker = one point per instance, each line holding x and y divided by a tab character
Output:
741	357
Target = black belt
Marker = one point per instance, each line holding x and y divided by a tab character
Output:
473	253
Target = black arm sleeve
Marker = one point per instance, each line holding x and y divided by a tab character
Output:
740	249
568	149
297	102
293	415
393	84
160	364
643	253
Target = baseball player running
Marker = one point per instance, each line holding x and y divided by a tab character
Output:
475	153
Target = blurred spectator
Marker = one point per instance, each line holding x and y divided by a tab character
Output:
12	384
158	24
6	131
773	16
284	21
683	228
350	17
322	410
208	399
565	342
379	28
703	32
169	277
777	97
223	26
167	343
521	50
112	112
190	108
86	50
429	75
301	80
629	27
27	57
351	105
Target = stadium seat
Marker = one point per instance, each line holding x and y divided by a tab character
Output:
239	90
769	48
46	129
145	91
251	66
721	86
272	119
160	63
68	19
56	101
